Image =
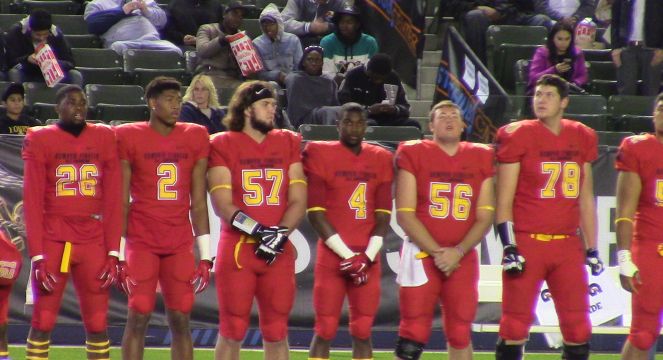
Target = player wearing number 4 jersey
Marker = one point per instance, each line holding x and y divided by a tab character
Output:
163	165
545	200
72	217
639	226
257	186
349	201
444	199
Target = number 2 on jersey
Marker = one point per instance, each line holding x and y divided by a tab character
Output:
357	201
73	180
167	173
570	173
254	192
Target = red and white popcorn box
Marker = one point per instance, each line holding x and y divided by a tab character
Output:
49	65
246	55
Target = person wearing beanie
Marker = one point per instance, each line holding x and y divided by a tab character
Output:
13	121
22	41
280	51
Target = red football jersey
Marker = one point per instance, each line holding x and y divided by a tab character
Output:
641	154
72	187
161	169
350	192
447	186
551	173
259	172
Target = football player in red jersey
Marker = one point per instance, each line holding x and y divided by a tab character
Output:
73	220
163	166
10	267
639	225
258	189
445	205
349	206
546	220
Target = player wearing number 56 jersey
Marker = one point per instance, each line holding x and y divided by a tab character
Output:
258	190
73	220
163	164
349	206
545	199
444	199
639	225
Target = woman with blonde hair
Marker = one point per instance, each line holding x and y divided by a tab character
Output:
201	105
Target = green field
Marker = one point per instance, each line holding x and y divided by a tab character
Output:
78	353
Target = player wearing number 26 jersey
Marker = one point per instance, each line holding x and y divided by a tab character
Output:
544	200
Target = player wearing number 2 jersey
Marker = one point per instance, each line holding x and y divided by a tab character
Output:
163	165
444	200
72	217
545	200
258	190
349	205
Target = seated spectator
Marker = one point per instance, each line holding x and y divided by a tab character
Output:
376	86
280	51
347	46
216	59
560	56
22	40
201	105
312	98
568	11
126	25
310	19
186	16
14	121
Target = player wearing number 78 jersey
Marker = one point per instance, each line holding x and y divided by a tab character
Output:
163	166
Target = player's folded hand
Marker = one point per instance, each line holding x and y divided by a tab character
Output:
358	263
45	280
594	262
201	276
359	278
272	241
108	273
512	262
125	282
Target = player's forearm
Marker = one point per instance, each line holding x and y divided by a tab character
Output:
33	204
588	221
320	224
381	224
200	219
417	232
293	215
113	207
477	232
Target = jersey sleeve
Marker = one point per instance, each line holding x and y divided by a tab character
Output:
511	143
383	195
488	162
202	140
405	158
123	143
34	189
112	190
295	148
314	167
626	157
217	155
591	150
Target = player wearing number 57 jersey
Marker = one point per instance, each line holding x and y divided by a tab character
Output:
639	225
163	164
257	186
545	200
73	220
444	199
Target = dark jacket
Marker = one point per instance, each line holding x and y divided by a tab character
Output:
16	127
190	113
458	8
621	23
19	47
186	16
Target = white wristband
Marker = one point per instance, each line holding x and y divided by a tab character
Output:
374	246
336	244
114	253
123	244
626	265
203	242
37	258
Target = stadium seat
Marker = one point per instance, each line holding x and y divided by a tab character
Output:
71	24
109	112
612	138
252	27
318	132
114	94
631	113
143	77
36	92
587	104
145	65
96	58
53	121
517	107
598	122
8	20
83	41
497	35
597	54
43	111
635	123
392	133
105	76
521	71
120	122
52	6
504	59
3	86
602	77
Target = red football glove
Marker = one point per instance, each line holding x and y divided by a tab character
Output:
355	264
124	280
109	272
359	278
202	275
44	279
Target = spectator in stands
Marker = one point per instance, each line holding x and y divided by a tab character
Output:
458	8
24	38
310	19
376	86
201	105
3	59
126	25
216	58
637	40
505	12
280	51
186	16
560	56
14	121
567	11
312	98
347	46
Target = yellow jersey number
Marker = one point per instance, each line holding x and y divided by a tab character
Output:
446	197
254	191
167	173
73	180
357	201
570	174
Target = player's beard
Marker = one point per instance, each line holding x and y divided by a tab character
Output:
261	126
